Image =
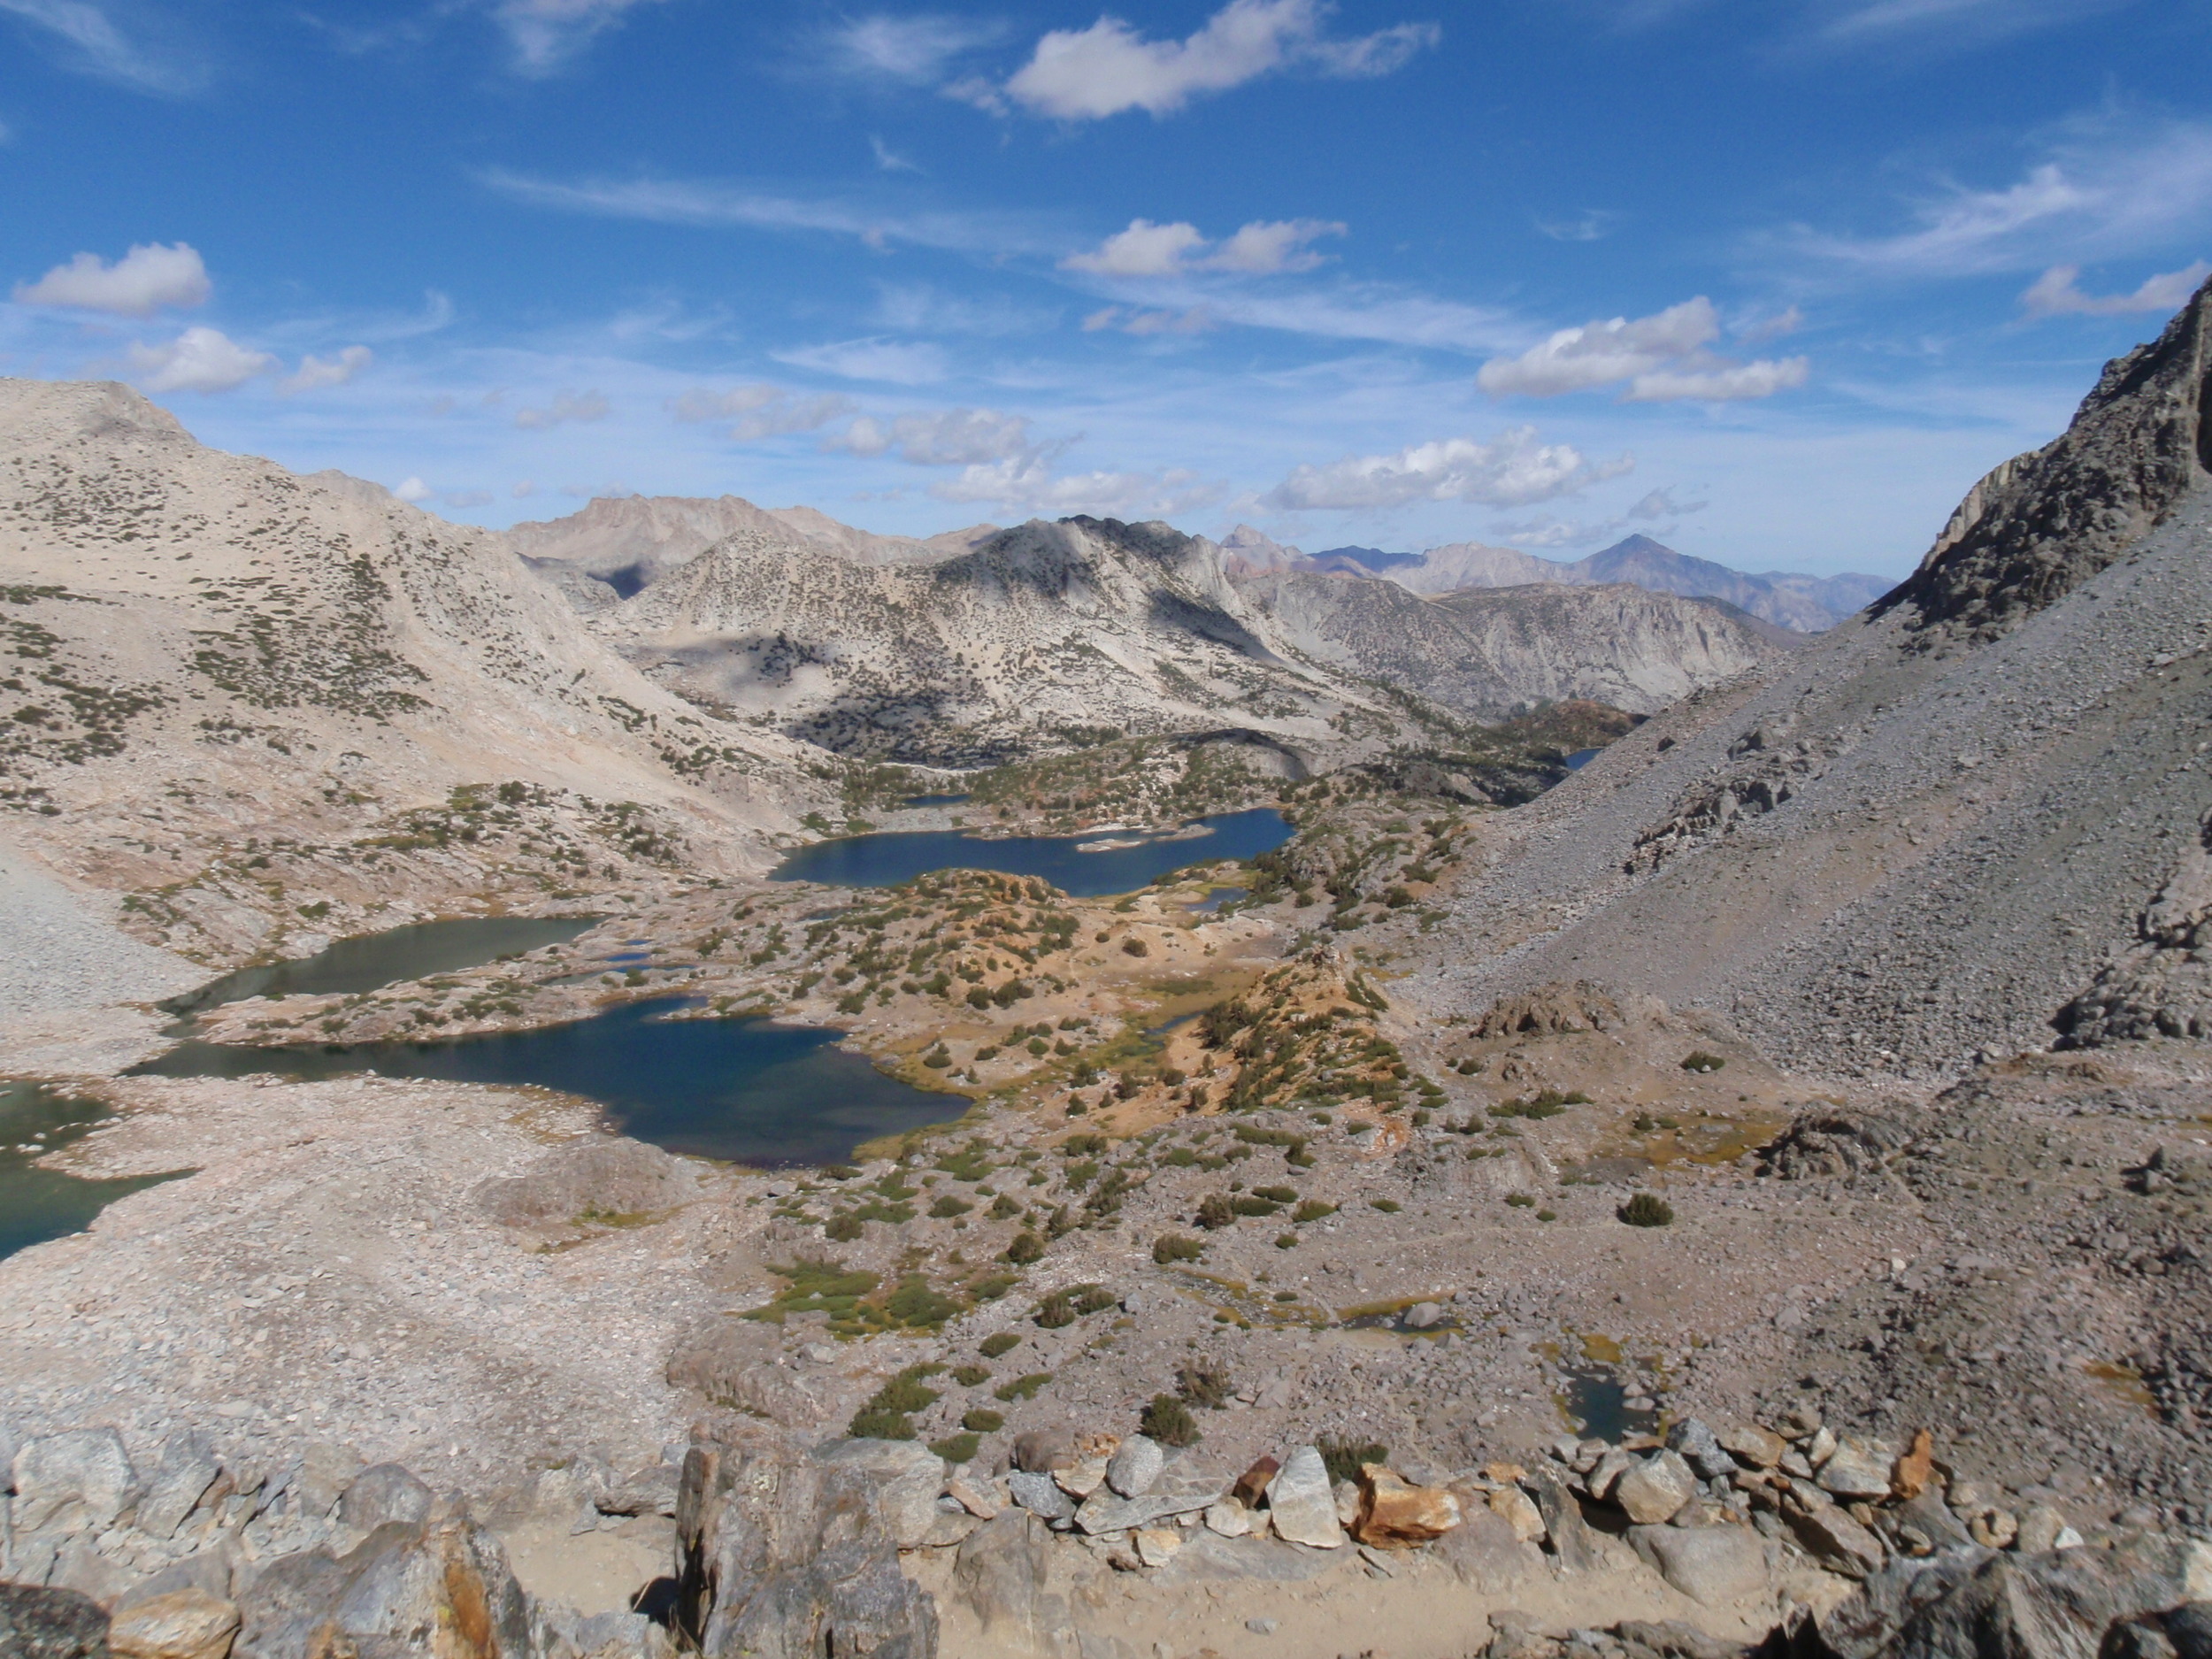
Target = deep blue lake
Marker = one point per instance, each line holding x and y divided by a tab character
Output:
886	860
37	1204
745	1091
372	960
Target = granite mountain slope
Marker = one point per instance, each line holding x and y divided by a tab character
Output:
1927	832
270	706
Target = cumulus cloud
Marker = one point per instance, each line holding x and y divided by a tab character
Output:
2057	292
951	437
1662	358
1262	247
198	360
413	489
546	33
148	277
1088	74
316	372
566	407
1513	469
894	362
760	410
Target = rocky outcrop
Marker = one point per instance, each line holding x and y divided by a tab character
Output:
790	1558
2043	523
2162	987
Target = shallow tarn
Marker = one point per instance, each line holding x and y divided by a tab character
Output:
37	1203
746	1091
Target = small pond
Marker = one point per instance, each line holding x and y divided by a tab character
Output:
371	960
1582	758
1598	1401
38	1204
746	1091
1129	861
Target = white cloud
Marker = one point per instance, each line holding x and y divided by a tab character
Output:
101	47
1761	329
1512	471
1262	247
1088	74
1029	485
143	281
413	489
2058	292
198	360
566	407
2107	189
1877	21
761	411
319	372
951	437
1591	226
1726	383
894	362
547	33
523	490
1662	357
1660	503
915	49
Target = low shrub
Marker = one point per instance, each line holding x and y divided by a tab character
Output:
1343	1455
972	1377
1215	1211
1312	1210
1021	1387
1176	1247
1647	1210
1698	1060
1204	1385
983	1420
997	1343
1168	1420
956	1448
1026	1248
845	1228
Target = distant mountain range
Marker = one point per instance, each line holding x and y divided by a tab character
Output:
1806	604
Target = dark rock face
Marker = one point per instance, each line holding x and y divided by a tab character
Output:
785	1558
2045	522
37	1623
1976	1603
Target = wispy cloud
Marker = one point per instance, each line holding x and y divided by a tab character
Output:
565	408
94	43
760	410
918	51
948	437
1591	226
1512	469
2057	292
1882	21
1031	486
316	372
892	362
682	202
1662	358
888	159
547	34
1197	321
1089	74
2108	189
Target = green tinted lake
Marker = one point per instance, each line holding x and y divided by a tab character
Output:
38	1204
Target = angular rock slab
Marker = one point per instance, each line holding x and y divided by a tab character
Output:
1858	1468
1395	1514
79	1481
1302	1504
1040	1494
1132	1468
1103	1512
182	1624
899	1479
1656	1488
1712	1565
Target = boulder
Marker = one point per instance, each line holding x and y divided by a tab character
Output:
898	1480
1571	1541
1653	1489
1916	1471
1487	1553
1700	1448
1837	1541
1602	1476
2039	1529
75	1482
385	1493
1132	1468
786	1555
1040	1494
979	1502
1040	1451
189	1468
182	1624
1752	1446
1302	1504
438	1587
37	1623
1001	1572
1229	1519
1156	1545
1858	1468
1424	1316
1513	1506
1712	1565
1395	1514
1251	1486
325	1471
1980	1604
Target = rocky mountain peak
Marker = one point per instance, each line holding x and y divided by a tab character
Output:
2045	522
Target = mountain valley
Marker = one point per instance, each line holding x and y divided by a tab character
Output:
1748	1188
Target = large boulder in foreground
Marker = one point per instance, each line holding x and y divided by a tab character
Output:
788	1556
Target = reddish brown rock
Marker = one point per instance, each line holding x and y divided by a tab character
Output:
1395	1514
1252	1484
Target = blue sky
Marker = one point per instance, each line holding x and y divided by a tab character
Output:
1772	282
